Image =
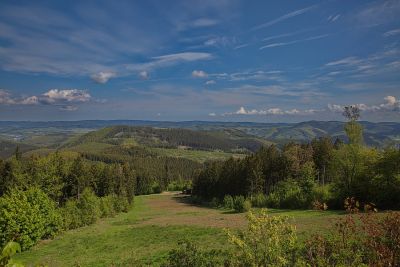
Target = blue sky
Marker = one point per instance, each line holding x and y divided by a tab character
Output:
266	61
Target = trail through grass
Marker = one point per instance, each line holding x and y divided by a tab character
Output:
145	234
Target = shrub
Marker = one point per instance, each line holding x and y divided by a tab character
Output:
240	204
71	215
189	255
228	202
121	204
9	250
259	200
107	206
267	241
28	216
156	188
214	202
88	205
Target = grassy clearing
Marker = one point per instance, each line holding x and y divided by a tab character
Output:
196	155
145	234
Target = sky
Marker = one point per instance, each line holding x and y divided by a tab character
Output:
237	60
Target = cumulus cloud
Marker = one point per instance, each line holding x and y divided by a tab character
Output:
391	104
212	114
63	98
103	76
199	74
67	95
271	111
5	98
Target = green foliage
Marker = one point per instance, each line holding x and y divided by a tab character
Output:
228	202
89	208
267	241
27	216
241	204
9	250
189	255
259	201
214	202
107	208
71	215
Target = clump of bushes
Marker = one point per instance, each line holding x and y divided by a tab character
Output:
259	201
26	216
241	204
88	208
228	202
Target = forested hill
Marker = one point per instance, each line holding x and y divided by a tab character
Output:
219	135
228	141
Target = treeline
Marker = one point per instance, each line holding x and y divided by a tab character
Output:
308	175
42	196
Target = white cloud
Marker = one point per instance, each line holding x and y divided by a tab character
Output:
210	82
69	108
333	18
284	17
67	95
103	76
294	42
204	22
391	104
62	98
32	100
5	98
392	33
199	74
271	111
168	60
212	114
144	75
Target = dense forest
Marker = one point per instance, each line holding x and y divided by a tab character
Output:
322	172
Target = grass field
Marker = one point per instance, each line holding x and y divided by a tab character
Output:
145	234
196	155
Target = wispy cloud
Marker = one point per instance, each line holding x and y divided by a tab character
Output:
294	42
333	18
392	33
270	111
284	17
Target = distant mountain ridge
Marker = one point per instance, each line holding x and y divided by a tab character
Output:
375	133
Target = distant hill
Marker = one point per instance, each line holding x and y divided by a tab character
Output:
220	135
8	148
228	141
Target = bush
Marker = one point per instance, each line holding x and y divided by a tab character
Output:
188	255
89	207
267	241
9	250
71	215
83	211
107	208
214	202
259	200
156	188
28	216
121	204
228	202
240	204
